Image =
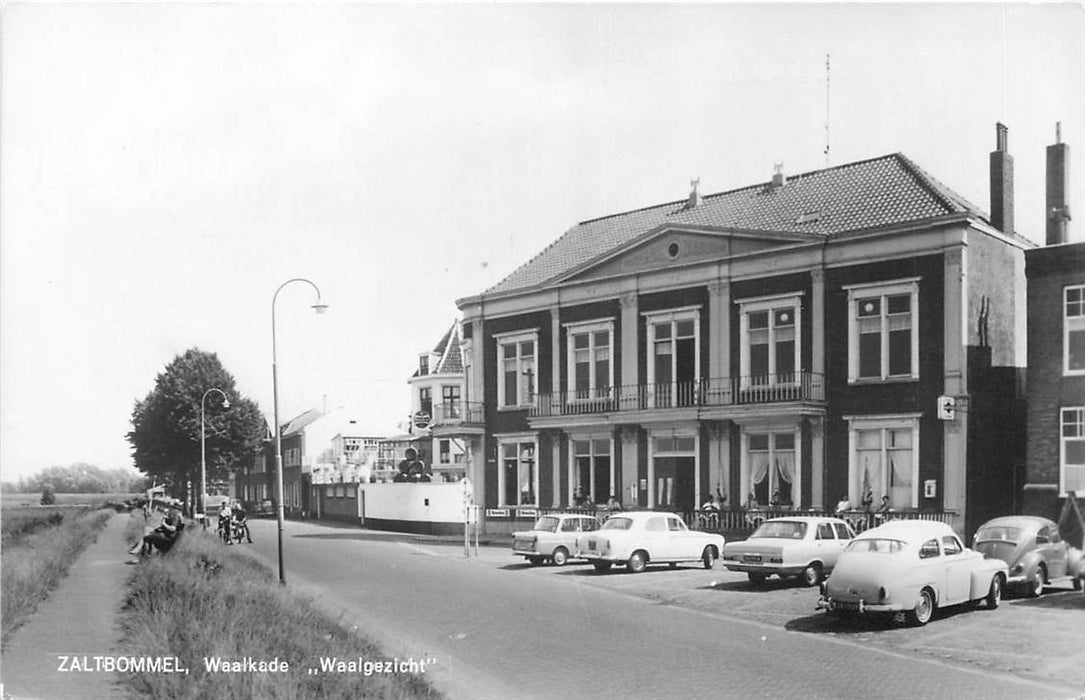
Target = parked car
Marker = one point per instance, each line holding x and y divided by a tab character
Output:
554	538
807	547
1030	546
255	509
911	567
645	537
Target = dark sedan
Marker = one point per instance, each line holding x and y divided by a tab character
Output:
1031	547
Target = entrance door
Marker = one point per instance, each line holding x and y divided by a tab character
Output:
674	483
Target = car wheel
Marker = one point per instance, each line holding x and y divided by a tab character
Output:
756	579
637	561
1077	584
561	555
535	561
994	595
923	611
708	557
1036	585
602	566
811	575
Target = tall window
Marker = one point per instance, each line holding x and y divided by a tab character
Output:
771	344
518	481
450	398
591	471
772	468
589	358
675	364
517	367
884	461
1072	451
425	400
883	335
1073	329
445	451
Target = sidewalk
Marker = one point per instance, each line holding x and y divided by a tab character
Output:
77	619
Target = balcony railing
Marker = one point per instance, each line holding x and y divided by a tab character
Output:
728	391
458	413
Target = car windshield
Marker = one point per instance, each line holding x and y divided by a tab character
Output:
874	544
546	524
617	524
784	529
998	534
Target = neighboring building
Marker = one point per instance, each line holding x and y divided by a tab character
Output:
790	342
1056	355
443	421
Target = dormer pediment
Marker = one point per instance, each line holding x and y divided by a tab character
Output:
667	247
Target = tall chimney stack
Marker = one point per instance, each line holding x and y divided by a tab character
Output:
1001	182
1058	209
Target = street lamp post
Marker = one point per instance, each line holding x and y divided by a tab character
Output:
203	450
319	307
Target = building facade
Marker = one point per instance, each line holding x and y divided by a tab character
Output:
788	344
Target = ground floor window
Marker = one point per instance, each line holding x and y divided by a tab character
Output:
1072	476
518	478
771	466
591	472
884	462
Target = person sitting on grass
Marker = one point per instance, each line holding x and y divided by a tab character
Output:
161	537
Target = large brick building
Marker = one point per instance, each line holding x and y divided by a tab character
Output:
791	343
1056	355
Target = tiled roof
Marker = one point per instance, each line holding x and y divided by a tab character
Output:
299	422
856	196
449	358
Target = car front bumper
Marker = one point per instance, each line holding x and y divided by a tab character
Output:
859	605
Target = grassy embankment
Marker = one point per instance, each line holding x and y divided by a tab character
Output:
38	547
204	600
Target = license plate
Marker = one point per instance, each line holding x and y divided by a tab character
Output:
754	558
591	546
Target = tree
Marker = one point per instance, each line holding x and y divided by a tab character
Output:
165	434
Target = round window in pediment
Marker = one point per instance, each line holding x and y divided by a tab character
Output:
673	250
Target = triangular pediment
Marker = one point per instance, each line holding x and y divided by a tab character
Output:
669	247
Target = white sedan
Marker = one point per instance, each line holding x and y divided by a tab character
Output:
804	546
641	538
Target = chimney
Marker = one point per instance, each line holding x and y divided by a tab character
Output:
694	195
1058	209
778	177
1001	182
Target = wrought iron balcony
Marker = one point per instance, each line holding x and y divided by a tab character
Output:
725	391
458	413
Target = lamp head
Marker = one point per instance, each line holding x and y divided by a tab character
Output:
320	307
225	403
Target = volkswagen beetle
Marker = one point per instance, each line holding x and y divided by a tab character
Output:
1031	547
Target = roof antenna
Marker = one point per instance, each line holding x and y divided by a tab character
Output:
826	110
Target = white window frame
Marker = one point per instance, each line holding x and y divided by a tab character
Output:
909	286
594	385
906	421
1071	324
517	338
519	440
1077	420
769	304
761	427
591	438
674	317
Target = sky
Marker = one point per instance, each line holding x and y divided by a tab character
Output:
165	167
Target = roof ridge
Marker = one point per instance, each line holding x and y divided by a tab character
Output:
938	189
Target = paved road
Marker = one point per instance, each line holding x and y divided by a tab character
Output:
500	630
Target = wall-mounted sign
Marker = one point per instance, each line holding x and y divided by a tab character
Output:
930	488
526	513
421	420
497	512
947	408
